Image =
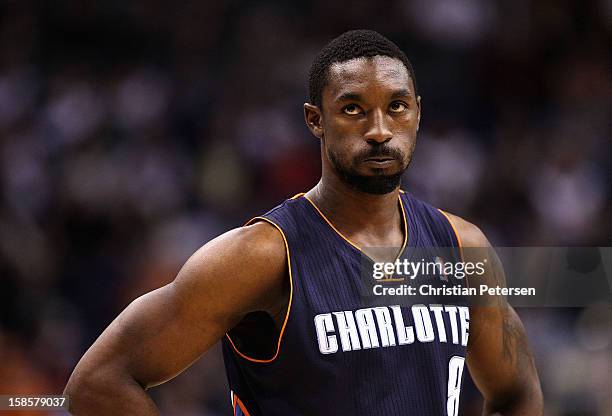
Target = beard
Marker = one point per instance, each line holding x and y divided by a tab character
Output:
376	184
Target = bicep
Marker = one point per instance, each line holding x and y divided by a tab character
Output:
155	338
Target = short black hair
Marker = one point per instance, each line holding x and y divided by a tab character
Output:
350	45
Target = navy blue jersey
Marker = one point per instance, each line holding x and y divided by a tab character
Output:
341	350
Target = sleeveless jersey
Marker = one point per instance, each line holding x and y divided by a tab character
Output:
341	350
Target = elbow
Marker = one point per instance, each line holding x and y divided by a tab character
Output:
527	401
75	384
91	388
82	388
532	397
537	398
106	391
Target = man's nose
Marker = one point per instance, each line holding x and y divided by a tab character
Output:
378	130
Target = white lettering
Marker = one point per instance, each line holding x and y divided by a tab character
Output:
383	318
437	310
405	334
422	323
384	326
325	324
347	331
464	321
367	328
452	314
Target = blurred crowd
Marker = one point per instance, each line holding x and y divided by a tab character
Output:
131	133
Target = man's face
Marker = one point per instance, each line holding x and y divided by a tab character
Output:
369	120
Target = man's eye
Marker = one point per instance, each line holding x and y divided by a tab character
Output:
398	107
351	110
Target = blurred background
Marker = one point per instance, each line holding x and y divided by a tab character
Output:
131	133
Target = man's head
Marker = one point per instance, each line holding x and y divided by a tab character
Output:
365	109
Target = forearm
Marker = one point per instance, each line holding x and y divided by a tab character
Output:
99	393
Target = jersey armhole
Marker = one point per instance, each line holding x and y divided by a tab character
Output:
282	331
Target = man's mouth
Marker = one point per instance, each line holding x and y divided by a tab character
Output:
380	161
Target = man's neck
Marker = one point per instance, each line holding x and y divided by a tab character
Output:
366	219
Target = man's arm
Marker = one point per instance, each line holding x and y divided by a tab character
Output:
498	357
163	332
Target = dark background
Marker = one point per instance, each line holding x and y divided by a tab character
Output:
133	132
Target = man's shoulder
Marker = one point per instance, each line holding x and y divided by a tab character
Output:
258	239
244	255
469	234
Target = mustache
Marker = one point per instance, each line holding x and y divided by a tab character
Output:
379	151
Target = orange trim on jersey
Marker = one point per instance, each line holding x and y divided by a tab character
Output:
238	402
280	337
355	245
332	225
459	243
404	218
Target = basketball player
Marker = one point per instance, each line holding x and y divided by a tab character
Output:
282	292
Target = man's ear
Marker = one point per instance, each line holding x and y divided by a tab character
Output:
312	116
418	101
